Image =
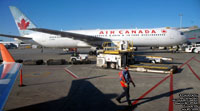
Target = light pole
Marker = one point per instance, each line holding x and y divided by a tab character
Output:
181	15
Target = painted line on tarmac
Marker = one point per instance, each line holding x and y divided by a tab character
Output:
69	66
186	62
171	106
193	72
196	60
71	73
137	100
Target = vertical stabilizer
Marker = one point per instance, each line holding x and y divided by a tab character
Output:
22	22
6	56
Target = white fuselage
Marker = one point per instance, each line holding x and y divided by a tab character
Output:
138	37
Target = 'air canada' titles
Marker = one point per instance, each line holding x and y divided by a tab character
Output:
130	32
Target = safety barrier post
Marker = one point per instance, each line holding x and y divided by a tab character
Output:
21	79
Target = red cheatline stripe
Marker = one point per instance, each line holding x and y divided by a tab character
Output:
72	74
196	60
193	71
192	38
186	62
137	100
171	107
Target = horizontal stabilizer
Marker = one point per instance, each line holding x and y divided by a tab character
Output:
14	36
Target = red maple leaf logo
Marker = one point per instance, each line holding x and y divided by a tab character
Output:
164	31
23	25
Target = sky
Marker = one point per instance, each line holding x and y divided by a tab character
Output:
100	14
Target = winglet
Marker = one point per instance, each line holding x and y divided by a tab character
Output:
6	56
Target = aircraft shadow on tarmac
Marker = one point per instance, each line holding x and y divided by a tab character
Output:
83	96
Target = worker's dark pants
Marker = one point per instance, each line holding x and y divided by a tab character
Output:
125	93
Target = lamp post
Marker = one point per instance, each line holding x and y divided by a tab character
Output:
181	15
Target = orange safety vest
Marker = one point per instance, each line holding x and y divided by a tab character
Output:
122	80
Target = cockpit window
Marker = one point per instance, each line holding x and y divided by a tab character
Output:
182	33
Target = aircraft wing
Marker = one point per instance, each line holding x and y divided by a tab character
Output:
14	36
9	70
87	38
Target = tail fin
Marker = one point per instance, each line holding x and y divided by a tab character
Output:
21	21
5	54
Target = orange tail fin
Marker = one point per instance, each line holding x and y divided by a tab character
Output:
6	56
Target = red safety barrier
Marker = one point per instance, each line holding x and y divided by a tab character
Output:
21	79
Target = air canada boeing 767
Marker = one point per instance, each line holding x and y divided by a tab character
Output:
92	38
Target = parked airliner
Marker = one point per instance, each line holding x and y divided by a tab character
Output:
92	38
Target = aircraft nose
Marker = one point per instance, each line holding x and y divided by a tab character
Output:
184	39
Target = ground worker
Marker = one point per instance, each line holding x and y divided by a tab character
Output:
125	79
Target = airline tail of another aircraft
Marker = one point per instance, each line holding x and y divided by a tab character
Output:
22	22
6	56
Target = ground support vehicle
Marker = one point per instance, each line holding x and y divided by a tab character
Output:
79	58
195	48
113	57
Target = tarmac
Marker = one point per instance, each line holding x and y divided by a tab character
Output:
86	87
